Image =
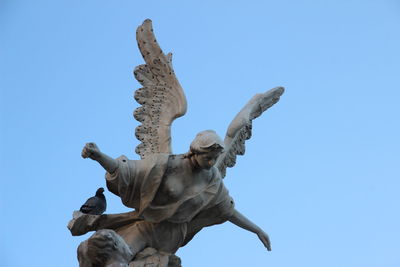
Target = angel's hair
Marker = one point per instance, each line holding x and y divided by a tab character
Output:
103	244
206	141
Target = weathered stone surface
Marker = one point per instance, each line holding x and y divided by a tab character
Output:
107	248
81	223
104	248
150	257
173	196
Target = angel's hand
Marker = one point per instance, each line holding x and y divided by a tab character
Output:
264	239
90	150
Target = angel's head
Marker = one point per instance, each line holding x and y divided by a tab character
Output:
206	148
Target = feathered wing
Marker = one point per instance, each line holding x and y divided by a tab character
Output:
162	98
240	128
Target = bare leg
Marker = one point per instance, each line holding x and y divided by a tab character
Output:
133	238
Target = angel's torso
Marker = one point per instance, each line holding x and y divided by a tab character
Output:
180	180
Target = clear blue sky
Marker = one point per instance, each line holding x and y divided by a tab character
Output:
321	173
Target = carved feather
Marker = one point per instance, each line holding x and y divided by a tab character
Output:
161	98
240	128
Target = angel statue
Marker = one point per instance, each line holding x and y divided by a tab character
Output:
172	196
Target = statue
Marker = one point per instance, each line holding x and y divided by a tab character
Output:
173	196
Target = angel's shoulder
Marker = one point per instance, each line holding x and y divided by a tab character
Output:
177	159
177	162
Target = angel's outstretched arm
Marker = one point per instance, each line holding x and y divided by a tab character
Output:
241	221
90	150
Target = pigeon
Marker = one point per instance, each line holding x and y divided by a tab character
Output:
95	205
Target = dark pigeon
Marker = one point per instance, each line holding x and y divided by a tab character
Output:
95	205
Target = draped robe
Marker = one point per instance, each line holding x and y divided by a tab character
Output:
164	227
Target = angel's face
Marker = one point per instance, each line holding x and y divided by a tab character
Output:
206	160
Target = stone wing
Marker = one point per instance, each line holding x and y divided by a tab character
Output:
240	128
161	98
